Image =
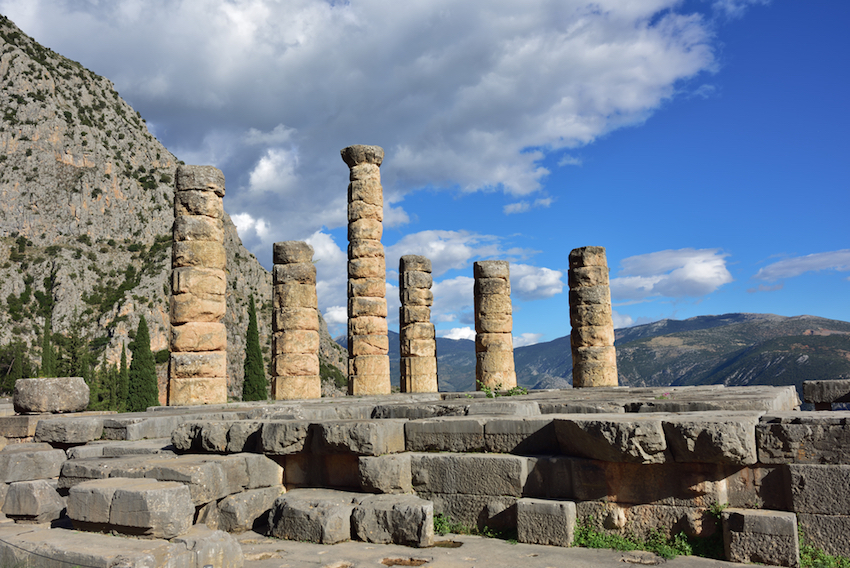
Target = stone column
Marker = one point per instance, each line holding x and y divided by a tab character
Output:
197	370
592	337
494	348
368	346
295	344
418	345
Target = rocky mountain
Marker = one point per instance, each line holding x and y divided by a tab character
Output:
730	349
86	215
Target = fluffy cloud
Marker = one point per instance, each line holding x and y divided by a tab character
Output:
459	333
534	283
526	339
523	206
467	95
453	299
621	320
788	268
671	273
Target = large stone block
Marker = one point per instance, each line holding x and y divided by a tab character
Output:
90	502
365	229
414	314
207	547
201	178
475	474
590	295
198	228
313	515
368	190
205	283
302	273
588	276
519	435
587	256
766	537
594	374
207	254
188	365
23	462
646	521
397	519
359	437
613	437
62	394
722	437
362	210
367	325
542	521
295	341
594	314
484	286
368	345
285	437
491	269
188	307
291	252
827	532
804	437
373	267
369	365
194	202
297	387
294	295
152	508
199	336
296	318
592	335
493	342
411	262
494	323
826	391
296	365
417	297
385	474
362	154
418	347
496	512
447	434
418	330
368	287
77	430
33	501
369	307
368	384
244	511
365	248
821	489
415	279
197	390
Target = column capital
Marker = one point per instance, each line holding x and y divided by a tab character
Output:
359	154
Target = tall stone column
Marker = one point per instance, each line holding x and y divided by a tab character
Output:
592	337
197	370
295	344
418	345
494	348
368	345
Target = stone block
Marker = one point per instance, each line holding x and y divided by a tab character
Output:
493	305
367	325
766	537
491	269
495	363
606	355
33	502
804	437
494	323
201	178
493	342
208	547
369	307
199	364
362	154
474	474
413	314
417	411
368	384
62	394
410	262
285	437
413	366
22	462
294	295
188	307
68	430
397	519
295	341
826	391
199	336
418	330
244	511
418	347
588	276
297	387
502	407
196	391
198	228
487	286
152	508
549	477
496	512
313	515
302	273
207	254
592	335
367	268
358	437
20	426
365	229
446	434
820	489
827	532
368	345
590	295
385	474
518	435
721	437
415	279
587	256
613	437
193	202
291	252
206	283
367	287
417	297
594	374
90	502
296	365
645	521
549	522
594	315
295	318
365	248
362	210
368	190
376	365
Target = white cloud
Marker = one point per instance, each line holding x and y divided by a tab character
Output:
736	8
788	268
446	250
331	279
671	273
336	315
621	320
523	206
534	283
468	95
453	297
525	339
568	160
249	228
459	333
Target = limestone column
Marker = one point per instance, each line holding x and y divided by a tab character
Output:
494	350
592	337
197	370
368	346
418	345
295	344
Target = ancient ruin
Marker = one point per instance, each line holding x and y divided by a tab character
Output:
592	336
494	349
368	345
418	344
295	323
197	370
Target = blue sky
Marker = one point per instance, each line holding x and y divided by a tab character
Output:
703	143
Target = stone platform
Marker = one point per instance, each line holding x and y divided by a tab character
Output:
628	460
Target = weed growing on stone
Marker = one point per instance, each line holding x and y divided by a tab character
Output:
443	524
812	557
493	392
668	548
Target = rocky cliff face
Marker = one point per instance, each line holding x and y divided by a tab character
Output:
86	209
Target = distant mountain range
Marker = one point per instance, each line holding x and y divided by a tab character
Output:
731	349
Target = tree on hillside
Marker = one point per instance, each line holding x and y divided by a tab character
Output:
254	383
142	390
46	301
123	382
14	365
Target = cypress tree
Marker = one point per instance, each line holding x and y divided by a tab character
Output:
48	355
123	382
142	390
254	383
